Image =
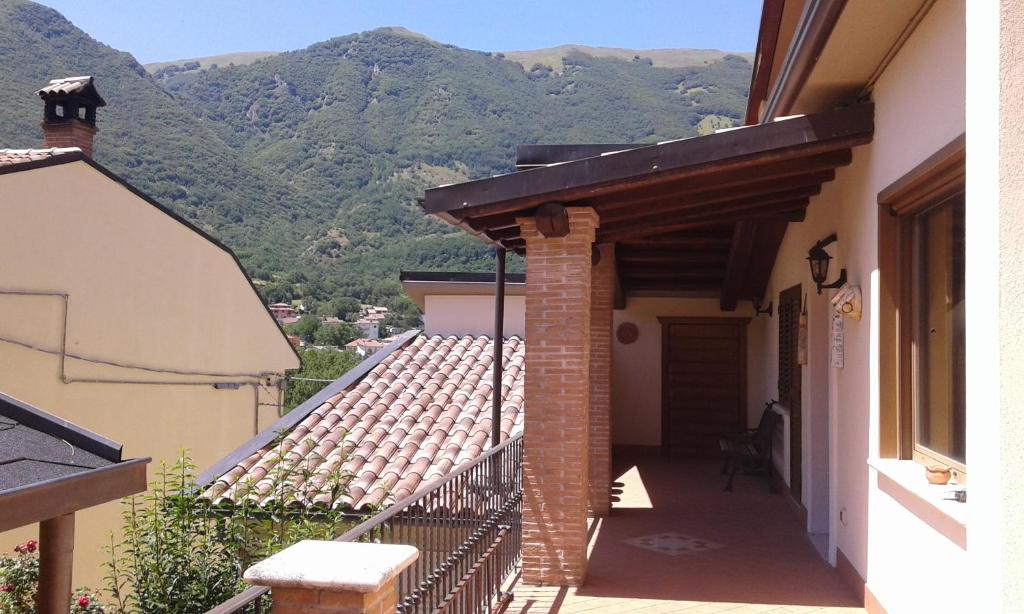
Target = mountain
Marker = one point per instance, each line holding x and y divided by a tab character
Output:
308	163
145	135
665	58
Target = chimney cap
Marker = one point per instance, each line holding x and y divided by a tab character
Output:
81	88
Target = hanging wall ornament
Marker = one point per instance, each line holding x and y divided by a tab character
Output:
847	301
801	340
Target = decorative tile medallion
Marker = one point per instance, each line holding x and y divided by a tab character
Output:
673	544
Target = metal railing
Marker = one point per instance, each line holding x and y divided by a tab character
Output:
467	526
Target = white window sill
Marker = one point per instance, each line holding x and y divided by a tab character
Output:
904	481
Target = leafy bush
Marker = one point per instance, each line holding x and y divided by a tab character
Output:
324	365
182	555
19	582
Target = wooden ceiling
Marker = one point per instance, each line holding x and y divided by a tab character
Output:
704	215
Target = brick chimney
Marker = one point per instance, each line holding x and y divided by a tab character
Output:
69	116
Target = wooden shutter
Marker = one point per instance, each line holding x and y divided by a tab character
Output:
789	322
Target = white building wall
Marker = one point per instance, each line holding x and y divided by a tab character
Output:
468	314
891	541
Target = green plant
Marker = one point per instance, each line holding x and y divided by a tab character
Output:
182	555
318	368
19	582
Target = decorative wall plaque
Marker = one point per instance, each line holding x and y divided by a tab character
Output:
627	333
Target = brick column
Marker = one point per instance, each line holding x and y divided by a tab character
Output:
313	577
557	389
602	291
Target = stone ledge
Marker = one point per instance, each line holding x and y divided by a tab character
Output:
333	566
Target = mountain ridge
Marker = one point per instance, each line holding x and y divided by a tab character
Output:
308	163
548	56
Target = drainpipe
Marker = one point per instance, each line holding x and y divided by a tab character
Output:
499	336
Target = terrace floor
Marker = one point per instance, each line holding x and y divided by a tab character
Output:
676	543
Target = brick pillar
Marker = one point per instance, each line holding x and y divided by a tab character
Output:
602	291
557	389
313	577
71	133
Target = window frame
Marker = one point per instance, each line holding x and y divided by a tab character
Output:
932	183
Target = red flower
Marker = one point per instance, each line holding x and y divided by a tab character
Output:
31	545
6	588
83	602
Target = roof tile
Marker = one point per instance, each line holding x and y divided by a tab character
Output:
422	411
9	157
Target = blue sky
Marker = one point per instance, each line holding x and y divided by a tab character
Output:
154	30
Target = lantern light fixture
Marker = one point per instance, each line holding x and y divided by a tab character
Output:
818	259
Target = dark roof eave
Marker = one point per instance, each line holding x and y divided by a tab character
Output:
55	426
68	494
588	176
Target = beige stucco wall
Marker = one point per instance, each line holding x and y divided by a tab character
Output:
919	108
636	368
995	283
142	289
466	314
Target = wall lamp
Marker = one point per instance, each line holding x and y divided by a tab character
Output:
757	302
818	258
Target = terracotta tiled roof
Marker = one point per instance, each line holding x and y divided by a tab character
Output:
423	410
17	156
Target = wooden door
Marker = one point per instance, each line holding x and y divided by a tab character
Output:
704	381
790	305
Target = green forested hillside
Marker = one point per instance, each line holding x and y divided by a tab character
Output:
308	163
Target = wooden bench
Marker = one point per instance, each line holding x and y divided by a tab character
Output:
751	450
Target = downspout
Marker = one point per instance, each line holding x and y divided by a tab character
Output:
499	337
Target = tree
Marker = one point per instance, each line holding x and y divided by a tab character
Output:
344	308
278	292
335	334
306	328
326	365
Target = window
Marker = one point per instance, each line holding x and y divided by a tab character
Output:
937	332
922	301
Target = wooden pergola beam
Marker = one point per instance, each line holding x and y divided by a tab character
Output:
739	262
797	172
793	211
751	147
767	191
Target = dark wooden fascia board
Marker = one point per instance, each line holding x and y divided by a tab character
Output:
764	59
812	33
55	426
542	155
838	129
68	494
287	422
109	174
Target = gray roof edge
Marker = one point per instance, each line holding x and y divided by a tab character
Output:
56	426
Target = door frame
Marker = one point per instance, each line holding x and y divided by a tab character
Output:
666	322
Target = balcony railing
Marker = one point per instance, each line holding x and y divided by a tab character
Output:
467	526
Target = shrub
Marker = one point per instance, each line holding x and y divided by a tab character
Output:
181	555
19	582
